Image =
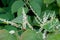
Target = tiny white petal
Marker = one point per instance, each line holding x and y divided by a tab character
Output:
12	32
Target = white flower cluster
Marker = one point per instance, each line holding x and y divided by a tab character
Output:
46	16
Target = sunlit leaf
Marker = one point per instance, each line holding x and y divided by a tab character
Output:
30	35
16	5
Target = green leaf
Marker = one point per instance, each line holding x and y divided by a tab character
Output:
2	10
19	13
16	5
4	35
58	2
6	16
54	36
4	2
35	23
7	2
10	2
36	7
9	28
29	35
30	19
39	36
40	2
48	1
18	19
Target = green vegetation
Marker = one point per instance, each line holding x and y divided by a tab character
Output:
29	19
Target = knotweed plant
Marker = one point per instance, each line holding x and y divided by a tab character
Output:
29	19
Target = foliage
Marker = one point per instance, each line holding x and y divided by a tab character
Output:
29	19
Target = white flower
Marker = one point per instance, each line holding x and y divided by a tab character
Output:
45	17
12	32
